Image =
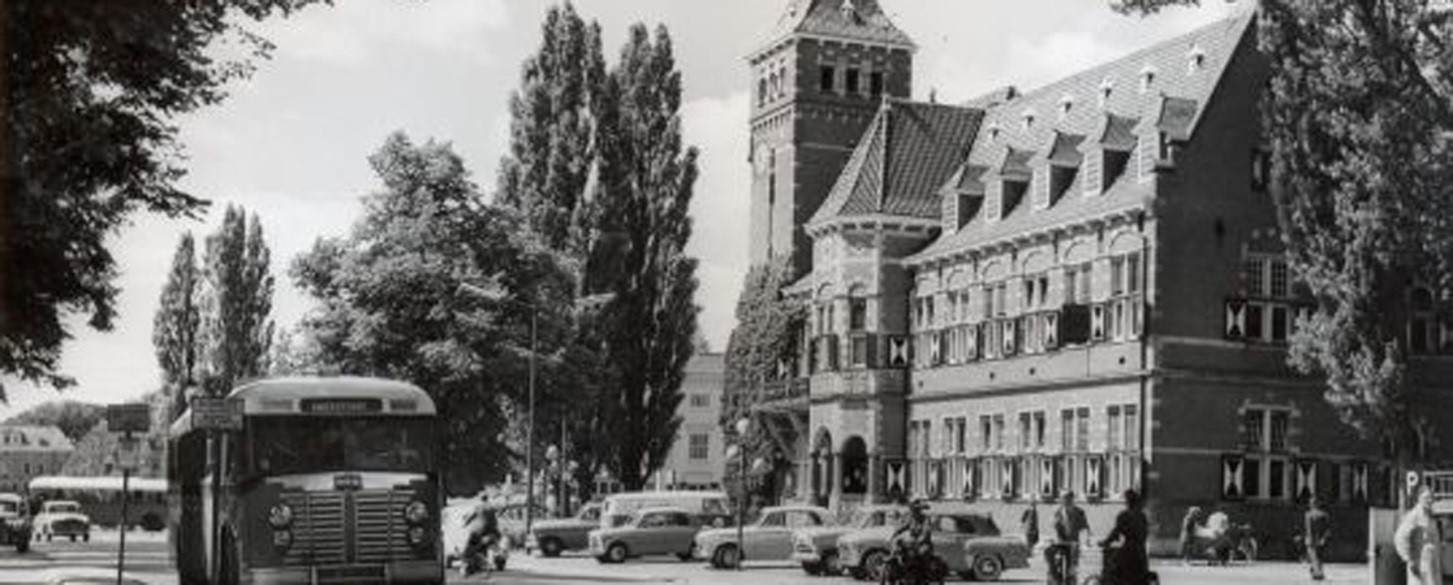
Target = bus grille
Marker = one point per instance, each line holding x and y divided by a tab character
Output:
318	529
381	528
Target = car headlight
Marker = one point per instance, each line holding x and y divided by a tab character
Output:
417	535
416	512
282	539
280	516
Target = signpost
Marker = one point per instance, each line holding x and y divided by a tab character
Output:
126	419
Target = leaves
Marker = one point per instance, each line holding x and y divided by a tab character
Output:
765	335
235	331
88	92
175	325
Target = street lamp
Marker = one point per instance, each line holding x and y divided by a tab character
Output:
498	297
742	426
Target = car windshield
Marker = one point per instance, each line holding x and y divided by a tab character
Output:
9	507
590	514
63	508
282	445
872	518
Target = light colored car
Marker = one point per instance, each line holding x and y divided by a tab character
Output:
15	526
652	531
551	537
816	547
710	508
767	539
62	518
968	543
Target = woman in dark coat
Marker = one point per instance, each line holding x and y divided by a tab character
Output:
1129	565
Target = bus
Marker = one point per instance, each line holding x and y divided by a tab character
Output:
100	498
329	480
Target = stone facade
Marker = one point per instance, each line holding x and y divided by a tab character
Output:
697	455
27	452
1076	288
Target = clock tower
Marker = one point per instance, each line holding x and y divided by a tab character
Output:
816	84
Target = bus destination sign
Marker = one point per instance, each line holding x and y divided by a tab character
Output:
341	405
218	414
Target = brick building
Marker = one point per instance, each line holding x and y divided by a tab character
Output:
27	452
1077	287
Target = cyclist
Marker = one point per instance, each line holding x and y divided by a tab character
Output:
1128	564
483	526
1069	523
914	538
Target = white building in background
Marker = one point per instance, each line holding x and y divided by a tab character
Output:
698	455
29	451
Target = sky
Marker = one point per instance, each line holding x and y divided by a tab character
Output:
291	143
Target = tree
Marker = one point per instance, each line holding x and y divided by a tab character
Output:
1359	117
96	447
764	339
391	304
73	418
645	184
236	292
88	95
546	172
174	328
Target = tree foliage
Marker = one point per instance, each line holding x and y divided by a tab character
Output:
646	177
764	339
552	151
88	92
73	418
174	328
1359	114
96	447
236	303
392	302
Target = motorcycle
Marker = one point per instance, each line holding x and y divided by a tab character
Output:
490	557
904	567
1221	542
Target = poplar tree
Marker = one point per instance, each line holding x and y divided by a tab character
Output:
174	328
236	304
1358	114
646	177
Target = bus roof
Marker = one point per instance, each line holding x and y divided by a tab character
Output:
294	395
110	483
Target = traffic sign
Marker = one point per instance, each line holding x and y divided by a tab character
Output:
128	418
218	414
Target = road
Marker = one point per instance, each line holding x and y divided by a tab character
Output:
148	562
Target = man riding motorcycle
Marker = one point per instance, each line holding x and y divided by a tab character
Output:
913	546
482	524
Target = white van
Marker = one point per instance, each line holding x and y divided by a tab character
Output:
713	508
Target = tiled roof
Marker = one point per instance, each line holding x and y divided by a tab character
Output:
849	19
33	438
909	150
1184	73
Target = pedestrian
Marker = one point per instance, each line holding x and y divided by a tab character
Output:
1129	563
1030	522
1069	523
1316	528
1418	539
1188	533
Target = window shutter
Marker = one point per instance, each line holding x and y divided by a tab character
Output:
1051	330
1097	322
1233	476
1046	477
1094	476
1306	479
1235	319
935	348
971	342
1094	166
1008	338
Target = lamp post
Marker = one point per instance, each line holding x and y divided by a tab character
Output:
742	426
496	296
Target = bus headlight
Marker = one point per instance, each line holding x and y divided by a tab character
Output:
416	512
417	535
280	516
282	539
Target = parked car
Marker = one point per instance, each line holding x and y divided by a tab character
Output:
551	537
767	539
512	521
969	543
62	518
15	526
710	508
816	547
653	531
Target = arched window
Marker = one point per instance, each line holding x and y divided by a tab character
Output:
761	92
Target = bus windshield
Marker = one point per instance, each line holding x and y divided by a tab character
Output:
284	445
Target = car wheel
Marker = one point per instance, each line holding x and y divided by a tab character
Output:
873	565
22	545
617	552
49	537
830	564
690	552
988	568
551	547
86	537
726	557
73	538
812	568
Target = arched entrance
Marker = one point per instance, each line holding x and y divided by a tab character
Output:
822	468
855	466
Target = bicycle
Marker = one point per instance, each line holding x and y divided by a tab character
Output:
1105	575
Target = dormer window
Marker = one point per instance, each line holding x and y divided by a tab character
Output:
1066	104
1197	60
827	78
1028	117
1060	179
1106	88
1147	79
1013	193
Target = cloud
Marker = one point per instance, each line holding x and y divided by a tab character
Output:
354	32
718	126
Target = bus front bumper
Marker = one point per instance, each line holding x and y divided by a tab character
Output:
422	571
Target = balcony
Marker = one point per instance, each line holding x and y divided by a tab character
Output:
783	395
